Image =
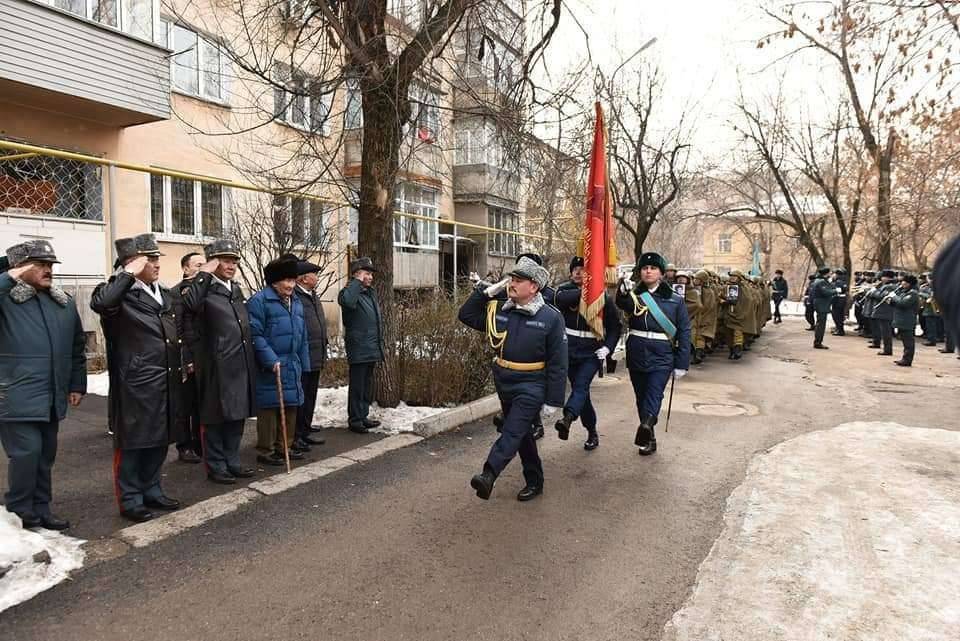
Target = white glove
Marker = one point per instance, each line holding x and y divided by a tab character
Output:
679	373
474	277
626	286
603	352
548	410
495	289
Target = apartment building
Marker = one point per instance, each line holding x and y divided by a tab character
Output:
129	81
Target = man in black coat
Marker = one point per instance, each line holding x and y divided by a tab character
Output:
42	370
780	292
143	358
808	312
838	309
215	317
946	278
363	339
316	323
189	445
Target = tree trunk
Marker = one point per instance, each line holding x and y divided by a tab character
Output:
380	161
884	189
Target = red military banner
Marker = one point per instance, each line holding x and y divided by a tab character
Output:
599	245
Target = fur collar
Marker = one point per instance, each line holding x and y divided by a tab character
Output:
22	292
530	308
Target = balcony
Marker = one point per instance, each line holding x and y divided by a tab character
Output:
58	61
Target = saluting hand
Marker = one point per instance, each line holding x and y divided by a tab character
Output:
210	266
17	272
136	266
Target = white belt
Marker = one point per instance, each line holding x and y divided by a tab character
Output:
579	334
657	336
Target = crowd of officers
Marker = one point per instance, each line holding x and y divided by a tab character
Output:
886	304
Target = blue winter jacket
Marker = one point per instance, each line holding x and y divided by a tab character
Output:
279	334
649	354
567	300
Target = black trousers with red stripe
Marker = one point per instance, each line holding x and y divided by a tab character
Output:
136	475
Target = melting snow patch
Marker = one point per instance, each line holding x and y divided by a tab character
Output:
331	411
33	561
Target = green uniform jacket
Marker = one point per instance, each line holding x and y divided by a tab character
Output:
822	293
905	303
363	330
707	320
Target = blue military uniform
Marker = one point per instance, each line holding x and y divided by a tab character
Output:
529	372
583	361
839	304
651	355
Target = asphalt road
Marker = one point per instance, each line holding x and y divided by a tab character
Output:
400	548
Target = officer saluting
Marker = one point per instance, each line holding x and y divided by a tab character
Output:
528	371
658	344
143	358
587	353
216	318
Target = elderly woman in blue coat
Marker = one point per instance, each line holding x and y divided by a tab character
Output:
280	345
658	344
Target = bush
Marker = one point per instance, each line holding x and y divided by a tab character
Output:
440	360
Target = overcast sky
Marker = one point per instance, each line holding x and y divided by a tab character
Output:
706	49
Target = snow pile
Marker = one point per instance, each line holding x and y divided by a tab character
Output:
98	384
32	561
331	411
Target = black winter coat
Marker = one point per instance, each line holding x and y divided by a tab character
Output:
143	358
41	352
567	300
780	288
362	326
217	321
316	330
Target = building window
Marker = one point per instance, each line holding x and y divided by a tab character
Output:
354	109
477	143
299	222
499	65
48	186
724	243
503	244
134	17
300	101
187	208
409	12
199	66
416	199
425	110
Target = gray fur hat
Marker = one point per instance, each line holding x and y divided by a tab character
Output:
221	247
530	270
140	245
40	250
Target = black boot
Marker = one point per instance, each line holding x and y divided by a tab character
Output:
537	429
646	440
563	425
697	356
483	482
498	422
737	352
593	440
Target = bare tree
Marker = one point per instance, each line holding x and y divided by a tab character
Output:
647	158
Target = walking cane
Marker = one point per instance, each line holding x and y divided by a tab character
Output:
283	420
673	380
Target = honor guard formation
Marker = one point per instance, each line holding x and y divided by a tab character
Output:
189	365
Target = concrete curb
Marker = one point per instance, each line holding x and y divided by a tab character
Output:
453	418
163	527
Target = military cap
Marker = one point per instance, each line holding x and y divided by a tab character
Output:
823	271
576	261
812	277
537	258
857	273
280	269
528	269
909	278
840	270
684	273
363	263
222	247
671	267
737	273
39	250
306	267
140	245
779	271
702	274
652	259
889	273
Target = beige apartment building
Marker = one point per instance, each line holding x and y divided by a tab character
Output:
127	82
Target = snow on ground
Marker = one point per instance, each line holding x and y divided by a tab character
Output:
847	533
331	411
98	384
34	560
